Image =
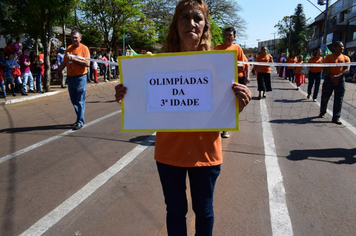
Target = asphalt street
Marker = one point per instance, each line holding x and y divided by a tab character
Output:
286	172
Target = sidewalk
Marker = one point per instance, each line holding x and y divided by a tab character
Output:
55	89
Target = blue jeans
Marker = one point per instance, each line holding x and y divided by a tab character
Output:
202	182
3	91
77	88
314	78
27	77
327	90
38	82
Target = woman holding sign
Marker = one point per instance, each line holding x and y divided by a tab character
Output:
198	154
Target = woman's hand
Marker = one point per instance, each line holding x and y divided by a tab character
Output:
243	94
120	92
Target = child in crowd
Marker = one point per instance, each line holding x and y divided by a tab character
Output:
94	69
299	77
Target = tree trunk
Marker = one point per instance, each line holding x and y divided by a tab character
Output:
45	17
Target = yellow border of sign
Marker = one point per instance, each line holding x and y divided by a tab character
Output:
169	55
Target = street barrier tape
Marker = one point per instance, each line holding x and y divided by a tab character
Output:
252	63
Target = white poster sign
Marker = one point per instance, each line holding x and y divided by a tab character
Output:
179	92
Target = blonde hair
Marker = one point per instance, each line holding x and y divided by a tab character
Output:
172	41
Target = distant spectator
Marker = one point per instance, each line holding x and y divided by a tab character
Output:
63	75
94	69
39	72
12	64
26	71
105	67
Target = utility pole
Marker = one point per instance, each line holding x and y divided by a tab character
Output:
326	22
274	43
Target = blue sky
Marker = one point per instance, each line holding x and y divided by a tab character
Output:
262	15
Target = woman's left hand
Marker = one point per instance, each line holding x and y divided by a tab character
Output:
243	94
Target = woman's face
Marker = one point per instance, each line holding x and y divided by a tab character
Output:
318	53
263	51
191	23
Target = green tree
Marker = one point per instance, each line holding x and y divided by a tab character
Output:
223	13
294	31
116	18
36	19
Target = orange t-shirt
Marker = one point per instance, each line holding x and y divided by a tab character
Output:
74	69
240	56
188	149
291	60
266	58
332	58
298	69
316	69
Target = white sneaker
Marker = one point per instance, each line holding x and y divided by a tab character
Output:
106	80
225	134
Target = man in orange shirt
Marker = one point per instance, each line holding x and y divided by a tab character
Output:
334	80
76	75
229	37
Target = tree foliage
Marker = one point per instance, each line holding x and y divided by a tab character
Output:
34	18
224	13
294	32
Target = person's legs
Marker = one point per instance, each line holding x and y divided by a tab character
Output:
326	92
24	81
173	180
311	79
77	93
3	91
317	85
95	73
338	98
30	81
38	82
202	183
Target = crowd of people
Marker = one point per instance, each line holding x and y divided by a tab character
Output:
19	68
334	76
22	71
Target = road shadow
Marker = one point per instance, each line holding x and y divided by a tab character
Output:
347	156
36	128
301	121
141	139
290	100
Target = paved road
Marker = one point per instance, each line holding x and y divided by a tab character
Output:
99	181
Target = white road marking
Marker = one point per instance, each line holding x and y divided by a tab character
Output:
41	226
39	144
280	219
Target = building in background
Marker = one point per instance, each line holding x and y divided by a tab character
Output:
341	26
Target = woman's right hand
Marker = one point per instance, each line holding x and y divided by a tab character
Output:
120	92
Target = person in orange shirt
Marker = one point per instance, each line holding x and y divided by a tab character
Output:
263	73
197	155
76	76
290	69
299	77
315	74
334	81
229	37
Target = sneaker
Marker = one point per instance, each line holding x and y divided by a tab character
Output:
63	86
106	80
336	121
225	134
314	100
321	115
32	91
77	126
308	96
